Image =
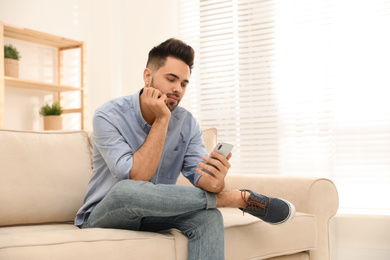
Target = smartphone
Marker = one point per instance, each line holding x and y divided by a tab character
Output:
221	148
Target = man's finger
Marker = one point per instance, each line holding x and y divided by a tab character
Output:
221	158
229	156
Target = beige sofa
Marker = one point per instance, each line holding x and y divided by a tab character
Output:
43	180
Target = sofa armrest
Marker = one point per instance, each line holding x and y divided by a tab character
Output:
309	195
317	196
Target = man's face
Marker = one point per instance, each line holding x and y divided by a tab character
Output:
172	80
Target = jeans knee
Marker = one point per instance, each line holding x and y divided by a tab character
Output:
130	193
121	191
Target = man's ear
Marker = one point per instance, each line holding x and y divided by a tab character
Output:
147	77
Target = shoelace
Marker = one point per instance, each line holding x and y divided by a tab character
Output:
252	204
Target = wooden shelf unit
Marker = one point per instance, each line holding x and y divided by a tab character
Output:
61	44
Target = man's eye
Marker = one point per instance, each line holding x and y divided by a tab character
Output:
183	85
171	79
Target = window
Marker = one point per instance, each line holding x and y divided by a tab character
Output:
299	87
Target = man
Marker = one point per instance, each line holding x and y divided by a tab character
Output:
141	144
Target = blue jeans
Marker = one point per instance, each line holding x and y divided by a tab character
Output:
138	205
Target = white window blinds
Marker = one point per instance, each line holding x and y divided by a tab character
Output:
299	87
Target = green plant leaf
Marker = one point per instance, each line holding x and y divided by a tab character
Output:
11	52
54	110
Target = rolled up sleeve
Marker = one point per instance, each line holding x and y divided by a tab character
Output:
113	149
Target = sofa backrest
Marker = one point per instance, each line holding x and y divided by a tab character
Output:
43	176
210	138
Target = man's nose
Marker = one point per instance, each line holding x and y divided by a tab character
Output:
177	88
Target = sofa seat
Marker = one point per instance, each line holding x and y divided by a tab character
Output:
66	241
247	237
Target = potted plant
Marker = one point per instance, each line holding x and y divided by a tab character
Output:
52	119
11	61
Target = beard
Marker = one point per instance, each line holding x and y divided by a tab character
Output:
171	105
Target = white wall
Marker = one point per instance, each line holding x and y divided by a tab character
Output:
360	237
118	34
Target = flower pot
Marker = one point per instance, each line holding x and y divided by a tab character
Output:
52	122
11	68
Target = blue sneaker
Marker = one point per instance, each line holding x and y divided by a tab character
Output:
271	210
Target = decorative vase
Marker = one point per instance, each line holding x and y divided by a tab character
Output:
52	122
11	68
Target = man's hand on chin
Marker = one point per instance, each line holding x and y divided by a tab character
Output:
154	105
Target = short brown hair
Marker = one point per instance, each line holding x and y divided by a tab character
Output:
171	47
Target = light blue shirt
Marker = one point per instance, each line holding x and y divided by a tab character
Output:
119	130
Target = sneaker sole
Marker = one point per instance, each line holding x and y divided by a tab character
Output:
290	217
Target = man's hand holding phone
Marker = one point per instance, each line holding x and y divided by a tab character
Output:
215	168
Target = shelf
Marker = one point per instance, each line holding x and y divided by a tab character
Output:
24	34
72	110
37	85
61	44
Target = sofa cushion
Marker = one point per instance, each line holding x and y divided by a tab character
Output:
65	241
45	177
210	138
247	237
